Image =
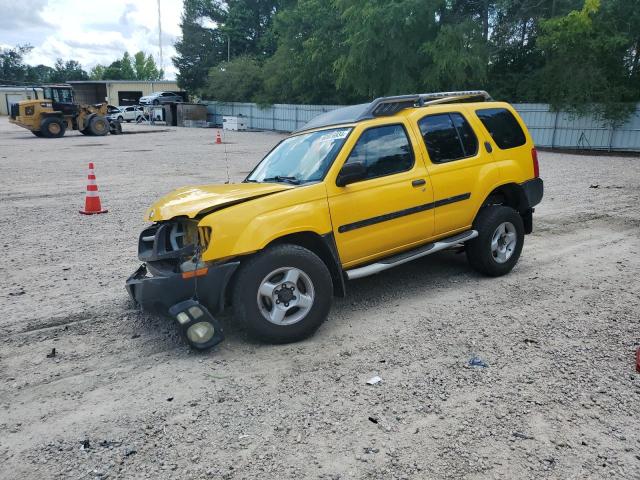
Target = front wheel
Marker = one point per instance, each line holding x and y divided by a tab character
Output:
98	125
497	248
283	294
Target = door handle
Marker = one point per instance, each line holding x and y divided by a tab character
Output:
418	183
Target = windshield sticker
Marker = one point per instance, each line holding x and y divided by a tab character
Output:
335	135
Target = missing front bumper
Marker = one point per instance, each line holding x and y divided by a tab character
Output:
159	292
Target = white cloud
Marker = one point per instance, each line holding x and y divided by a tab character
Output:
90	32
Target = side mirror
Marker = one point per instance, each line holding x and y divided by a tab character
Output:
350	173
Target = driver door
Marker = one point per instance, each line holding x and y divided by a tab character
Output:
390	209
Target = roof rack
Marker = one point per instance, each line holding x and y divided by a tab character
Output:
387	106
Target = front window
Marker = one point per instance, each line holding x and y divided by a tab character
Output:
58	95
383	151
301	159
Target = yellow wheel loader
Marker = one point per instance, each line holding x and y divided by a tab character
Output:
56	112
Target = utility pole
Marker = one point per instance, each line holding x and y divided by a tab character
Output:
160	39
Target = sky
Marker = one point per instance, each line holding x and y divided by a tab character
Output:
90	31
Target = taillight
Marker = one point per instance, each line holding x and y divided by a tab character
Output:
536	167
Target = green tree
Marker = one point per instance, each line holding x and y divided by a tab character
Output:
145	67
39	73
69	70
585	69
12	67
383	45
126	67
97	72
199	48
239	80
309	42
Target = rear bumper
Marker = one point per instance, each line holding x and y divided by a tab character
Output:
534	190
158	293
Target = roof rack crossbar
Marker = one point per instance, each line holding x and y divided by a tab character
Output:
387	106
457	94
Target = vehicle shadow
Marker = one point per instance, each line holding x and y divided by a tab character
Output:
443	270
446	269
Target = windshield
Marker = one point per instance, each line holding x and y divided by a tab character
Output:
301	159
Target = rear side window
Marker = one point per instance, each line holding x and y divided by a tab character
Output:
383	150
503	127
448	137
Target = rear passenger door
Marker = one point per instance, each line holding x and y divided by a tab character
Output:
457	162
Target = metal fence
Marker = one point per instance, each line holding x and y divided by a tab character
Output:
548	128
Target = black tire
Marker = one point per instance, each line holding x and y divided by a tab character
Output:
250	277
115	128
479	250
85	132
156	102
37	133
120	118
98	125
52	127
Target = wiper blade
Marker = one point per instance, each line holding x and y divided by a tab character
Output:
280	178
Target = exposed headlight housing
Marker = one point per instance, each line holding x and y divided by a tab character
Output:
201	330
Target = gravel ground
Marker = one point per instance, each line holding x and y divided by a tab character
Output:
124	397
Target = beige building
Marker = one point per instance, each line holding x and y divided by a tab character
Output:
9	95
119	92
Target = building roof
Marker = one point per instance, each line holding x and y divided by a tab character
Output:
387	106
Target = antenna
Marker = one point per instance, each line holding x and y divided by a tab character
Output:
160	38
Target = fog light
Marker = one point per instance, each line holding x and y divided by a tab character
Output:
201	330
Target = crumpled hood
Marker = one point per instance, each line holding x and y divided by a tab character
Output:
190	201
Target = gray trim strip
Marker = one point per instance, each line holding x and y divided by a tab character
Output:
402	213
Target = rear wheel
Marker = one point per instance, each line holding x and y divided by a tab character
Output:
497	248
98	125
283	294
37	133
52	127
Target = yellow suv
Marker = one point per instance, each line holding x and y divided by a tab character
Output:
355	192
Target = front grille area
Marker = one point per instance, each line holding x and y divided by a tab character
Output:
174	240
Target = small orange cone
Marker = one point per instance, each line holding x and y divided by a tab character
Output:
218	138
92	200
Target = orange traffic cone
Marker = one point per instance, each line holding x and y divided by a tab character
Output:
92	200
218	138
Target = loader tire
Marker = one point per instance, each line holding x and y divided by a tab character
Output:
98	126
52	127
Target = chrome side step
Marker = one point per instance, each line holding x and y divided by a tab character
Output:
411	255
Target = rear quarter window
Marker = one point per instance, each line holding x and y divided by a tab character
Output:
503	127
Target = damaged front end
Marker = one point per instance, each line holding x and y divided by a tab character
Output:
174	281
